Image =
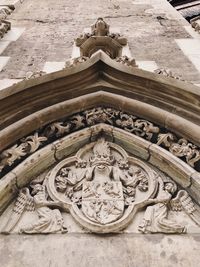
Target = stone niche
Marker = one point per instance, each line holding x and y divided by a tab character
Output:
99	187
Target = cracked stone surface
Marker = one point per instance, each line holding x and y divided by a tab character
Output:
51	27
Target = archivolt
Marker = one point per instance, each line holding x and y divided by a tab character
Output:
142	110
131	123
41	160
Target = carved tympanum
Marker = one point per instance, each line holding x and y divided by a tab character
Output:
102	188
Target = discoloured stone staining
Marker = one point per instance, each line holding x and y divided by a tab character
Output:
178	146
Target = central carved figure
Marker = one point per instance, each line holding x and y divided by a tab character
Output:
102	199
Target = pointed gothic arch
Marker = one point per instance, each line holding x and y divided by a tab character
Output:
100	82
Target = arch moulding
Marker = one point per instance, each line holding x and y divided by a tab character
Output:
153	118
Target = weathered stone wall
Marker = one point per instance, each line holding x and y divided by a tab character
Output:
41	38
43	32
124	250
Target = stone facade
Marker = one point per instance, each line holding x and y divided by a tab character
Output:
99	161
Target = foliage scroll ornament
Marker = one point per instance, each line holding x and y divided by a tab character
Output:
145	129
102	188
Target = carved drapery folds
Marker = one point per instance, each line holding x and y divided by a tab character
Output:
103	188
145	129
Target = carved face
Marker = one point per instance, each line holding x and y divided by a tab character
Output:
101	162
101	155
169	187
37	188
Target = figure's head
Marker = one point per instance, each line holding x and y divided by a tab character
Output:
170	187
37	188
101	155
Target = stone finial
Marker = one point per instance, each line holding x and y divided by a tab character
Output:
100	37
100	28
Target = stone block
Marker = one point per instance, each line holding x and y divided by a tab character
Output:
8	190
194	189
102	129
178	170
132	143
71	143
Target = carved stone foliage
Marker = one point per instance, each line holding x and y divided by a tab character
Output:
195	22
75	61
33	75
5	26
179	147
102	188
130	62
168	73
5	11
100	37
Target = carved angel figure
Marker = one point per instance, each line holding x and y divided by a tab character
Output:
156	219
49	220
156	216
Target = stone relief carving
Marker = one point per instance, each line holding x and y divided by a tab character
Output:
75	61
195	22
168	73
5	11
49	218
156	218
5	26
130	62
33	75
156	215
102	188
27	146
179	147
100	37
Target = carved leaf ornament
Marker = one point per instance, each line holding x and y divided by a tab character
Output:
179	147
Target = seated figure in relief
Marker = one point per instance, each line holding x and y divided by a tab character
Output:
155	219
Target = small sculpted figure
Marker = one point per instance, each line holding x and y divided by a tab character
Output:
156	215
